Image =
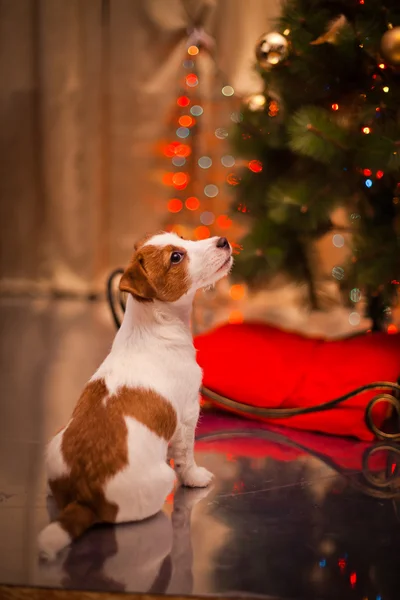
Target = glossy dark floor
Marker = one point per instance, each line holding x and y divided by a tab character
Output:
291	515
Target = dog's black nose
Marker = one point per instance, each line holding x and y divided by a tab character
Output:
222	243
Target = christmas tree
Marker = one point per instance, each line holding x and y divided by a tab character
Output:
325	134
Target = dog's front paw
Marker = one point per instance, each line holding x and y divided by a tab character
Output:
197	477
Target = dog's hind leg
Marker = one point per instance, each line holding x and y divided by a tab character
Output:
141	497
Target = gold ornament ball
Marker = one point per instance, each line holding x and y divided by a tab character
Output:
271	49
390	45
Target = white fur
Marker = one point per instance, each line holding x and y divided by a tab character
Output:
154	350
55	463
141	488
51	540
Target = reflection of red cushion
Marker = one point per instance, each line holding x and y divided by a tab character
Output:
235	437
260	365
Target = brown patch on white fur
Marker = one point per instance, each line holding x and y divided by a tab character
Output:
151	275
95	448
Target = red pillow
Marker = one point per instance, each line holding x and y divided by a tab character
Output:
259	365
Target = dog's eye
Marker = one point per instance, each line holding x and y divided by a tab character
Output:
176	257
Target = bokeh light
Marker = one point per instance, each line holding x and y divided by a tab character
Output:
191	80
178	161
170	149
180	179
192	203
392	329
202	232
338	240
233	179
182	132
183	150
196	110
354	319
235	317
338	273
167	178
224	222
228	160
175	205
237	291
221	133
211	190
228	90
207	218
183	101
255	166
193	50
186	121
355	295
205	162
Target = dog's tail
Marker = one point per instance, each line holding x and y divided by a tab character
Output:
73	521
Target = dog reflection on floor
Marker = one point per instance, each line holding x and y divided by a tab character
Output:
153	556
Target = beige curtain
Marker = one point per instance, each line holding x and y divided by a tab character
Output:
85	89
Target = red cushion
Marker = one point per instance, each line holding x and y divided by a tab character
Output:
259	365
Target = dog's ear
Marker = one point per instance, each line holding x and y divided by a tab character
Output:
135	280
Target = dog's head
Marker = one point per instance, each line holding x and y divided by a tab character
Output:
166	267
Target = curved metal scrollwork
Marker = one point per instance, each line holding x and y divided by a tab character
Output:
116	301
115	297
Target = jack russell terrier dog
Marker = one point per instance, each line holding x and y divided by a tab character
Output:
109	464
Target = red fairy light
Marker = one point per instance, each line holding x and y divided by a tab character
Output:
342	564
167	178
273	108
170	149
232	179
353	579
180	178
367	172
236	248
255	166
183	150
175	205
192	203
392	329
224	222
186	121
379	174
183	101
191	80
202	232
